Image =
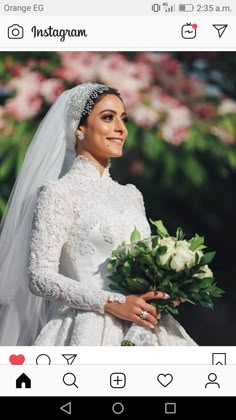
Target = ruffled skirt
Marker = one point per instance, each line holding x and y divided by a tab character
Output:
75	328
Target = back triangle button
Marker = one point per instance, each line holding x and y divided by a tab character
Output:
66	408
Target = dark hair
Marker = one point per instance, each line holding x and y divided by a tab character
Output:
110	91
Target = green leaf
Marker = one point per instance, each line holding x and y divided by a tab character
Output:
2	205
205	282
179	234
217	292
161	250
173	311
161	230
135	236
111	264
155	241
120	251
207	258
196	242
115	287
127	343
6	166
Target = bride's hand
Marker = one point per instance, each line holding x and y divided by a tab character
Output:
136	309
178	302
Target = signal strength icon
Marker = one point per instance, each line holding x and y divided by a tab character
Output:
168	8
157	7
220	29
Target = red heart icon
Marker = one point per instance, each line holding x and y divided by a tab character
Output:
17	359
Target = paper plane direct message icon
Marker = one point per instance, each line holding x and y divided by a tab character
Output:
219	358
70	358
220	29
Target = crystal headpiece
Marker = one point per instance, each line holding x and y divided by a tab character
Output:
82	102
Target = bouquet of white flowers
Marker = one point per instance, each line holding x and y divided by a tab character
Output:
170	264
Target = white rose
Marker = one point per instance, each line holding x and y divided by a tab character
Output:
206	273
183	244
183	257
169	242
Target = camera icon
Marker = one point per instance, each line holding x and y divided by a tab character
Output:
15	32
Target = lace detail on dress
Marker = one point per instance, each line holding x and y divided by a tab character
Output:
99	201
52	224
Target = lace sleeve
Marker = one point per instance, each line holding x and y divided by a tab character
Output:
53	219
138	197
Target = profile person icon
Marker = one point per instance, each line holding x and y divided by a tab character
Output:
212	377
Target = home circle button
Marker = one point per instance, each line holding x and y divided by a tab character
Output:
118	408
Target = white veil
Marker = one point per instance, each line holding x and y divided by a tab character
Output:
49	156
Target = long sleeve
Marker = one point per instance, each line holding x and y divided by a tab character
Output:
53	220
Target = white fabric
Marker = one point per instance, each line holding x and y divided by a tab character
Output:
21	313
48	157
78	221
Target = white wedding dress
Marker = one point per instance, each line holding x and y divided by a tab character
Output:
78	221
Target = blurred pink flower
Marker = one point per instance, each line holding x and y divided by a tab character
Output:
192	88
175	129
205	111
129	96
23	107
77	67
116	71
51	89
29	83
169	64
144	116
227	106
150	58
136	167
179	116
31	63
223	134
27	102
161	101
174	134
12	67
2	122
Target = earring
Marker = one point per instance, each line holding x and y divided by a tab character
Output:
80	136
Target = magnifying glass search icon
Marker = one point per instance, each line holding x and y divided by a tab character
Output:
69	379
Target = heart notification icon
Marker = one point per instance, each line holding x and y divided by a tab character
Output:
17	359
165	379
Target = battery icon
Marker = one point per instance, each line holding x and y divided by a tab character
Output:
186	7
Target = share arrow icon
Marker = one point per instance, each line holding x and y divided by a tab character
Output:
220	29
69	358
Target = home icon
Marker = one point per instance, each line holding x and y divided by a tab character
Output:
23	381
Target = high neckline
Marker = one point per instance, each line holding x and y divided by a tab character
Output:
90	168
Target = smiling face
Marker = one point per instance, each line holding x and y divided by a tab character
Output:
105	129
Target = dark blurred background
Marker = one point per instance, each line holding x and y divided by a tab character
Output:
180	152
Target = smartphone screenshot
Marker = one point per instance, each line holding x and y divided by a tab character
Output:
117	208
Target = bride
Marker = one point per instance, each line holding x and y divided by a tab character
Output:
65	216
